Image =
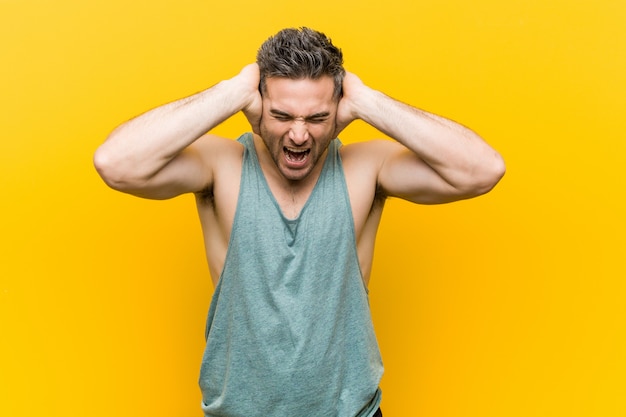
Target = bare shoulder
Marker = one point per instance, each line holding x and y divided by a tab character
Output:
223	155
365	159
217	148
369	151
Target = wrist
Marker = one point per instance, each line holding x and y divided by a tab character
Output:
234	94
366	104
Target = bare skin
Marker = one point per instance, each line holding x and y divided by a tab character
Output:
167	152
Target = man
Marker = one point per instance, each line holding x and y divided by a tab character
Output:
290	217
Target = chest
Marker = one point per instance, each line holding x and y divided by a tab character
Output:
217	214
290	200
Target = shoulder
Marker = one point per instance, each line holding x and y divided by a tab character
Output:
217	146
219	154
367	157
372	150
362	162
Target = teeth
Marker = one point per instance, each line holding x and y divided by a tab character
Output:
297	150
296	155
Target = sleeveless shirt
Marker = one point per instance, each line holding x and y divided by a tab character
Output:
289	330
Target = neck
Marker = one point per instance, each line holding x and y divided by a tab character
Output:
291	195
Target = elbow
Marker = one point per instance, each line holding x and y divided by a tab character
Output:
498	169
490	174
483	178
111	170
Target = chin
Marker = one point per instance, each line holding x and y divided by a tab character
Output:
289	176
295	175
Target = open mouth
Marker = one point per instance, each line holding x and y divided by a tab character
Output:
296	156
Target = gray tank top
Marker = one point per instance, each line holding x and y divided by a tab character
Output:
289	331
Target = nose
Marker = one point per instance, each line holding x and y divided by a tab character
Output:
299	132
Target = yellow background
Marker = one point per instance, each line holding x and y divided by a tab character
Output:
507	305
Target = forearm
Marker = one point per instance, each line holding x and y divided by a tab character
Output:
142	146
460	156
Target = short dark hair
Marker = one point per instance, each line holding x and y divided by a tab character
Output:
298	53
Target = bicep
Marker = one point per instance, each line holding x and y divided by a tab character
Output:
188	172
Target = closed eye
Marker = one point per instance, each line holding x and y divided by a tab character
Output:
316	118
280	116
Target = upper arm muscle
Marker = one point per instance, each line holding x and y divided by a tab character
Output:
405	175
190	171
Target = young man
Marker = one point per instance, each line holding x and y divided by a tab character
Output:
290	217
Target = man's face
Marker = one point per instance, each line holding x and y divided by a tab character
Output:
298	123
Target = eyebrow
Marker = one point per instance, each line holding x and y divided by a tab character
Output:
281	113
